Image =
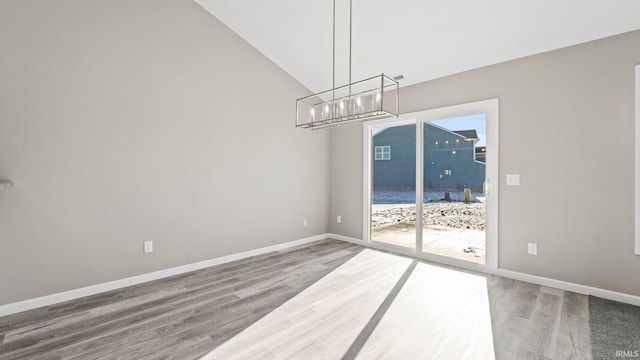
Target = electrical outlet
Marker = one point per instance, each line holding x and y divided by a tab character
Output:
339	219
533	249
513	179
148	247
304	222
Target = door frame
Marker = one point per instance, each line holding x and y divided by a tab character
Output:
491	109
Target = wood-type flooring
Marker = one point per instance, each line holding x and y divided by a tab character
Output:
325	300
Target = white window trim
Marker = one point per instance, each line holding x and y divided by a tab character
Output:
384	155
637	205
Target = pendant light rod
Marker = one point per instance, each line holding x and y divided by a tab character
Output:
350	38
357	102
350	34
334	49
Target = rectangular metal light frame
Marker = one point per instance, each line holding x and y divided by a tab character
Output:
369	99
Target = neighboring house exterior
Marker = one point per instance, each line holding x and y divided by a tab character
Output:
481	154
451	160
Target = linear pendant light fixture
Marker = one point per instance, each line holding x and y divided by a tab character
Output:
373	98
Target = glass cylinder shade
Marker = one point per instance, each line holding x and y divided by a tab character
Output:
368	99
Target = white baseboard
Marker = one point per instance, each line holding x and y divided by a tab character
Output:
47	300
568	286
347	239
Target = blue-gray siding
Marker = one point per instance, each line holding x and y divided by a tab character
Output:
443	150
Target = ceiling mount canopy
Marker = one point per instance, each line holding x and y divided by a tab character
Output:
374	98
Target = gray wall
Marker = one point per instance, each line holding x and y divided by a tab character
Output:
566	125
123	121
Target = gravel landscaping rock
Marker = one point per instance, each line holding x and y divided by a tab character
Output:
453	215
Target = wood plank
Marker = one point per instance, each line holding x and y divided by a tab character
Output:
574	335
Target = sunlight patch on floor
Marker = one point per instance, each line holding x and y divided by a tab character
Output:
438	314
322	321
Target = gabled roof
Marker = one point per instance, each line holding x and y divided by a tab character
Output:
469	134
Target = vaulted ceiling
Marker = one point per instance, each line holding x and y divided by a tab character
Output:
420	39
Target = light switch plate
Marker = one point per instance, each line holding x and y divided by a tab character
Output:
148	247
513	179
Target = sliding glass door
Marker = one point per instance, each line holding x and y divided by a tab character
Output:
428	177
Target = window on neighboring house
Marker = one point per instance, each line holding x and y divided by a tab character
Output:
382	152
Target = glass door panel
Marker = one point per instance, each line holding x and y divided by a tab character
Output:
454	178
393	190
